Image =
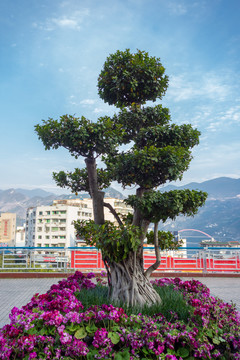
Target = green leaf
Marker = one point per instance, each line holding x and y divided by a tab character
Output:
115	338
124	355
91	328
80	333
91	354
72	328
32	331
216	341
209	333
146	351
183	352
43	331
115	328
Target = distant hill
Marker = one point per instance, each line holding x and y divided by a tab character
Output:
19	200
220	216
34	192
219	188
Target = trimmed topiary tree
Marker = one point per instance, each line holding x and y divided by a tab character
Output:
155	152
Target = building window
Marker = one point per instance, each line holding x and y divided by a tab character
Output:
39	236
39	228
63	212
62	228
47	221
40	212
62	220
55	229
48	212
62	237
47	237
46	245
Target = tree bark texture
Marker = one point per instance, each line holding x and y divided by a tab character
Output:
129	284
154	266
96	195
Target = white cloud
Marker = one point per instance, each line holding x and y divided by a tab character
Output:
87	102
184	7
210	86
67	23
232	115
98	110
214	126
72	21
177	8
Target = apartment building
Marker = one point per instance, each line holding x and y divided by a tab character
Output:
7	229
20	236
52	226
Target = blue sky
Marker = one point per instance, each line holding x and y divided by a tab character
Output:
52	53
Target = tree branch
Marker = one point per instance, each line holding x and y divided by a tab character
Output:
113	211
154	266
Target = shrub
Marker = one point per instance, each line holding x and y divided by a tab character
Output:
64	324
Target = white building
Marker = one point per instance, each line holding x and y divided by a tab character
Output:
52	226
20	236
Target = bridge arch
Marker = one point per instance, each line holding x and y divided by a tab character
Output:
202	232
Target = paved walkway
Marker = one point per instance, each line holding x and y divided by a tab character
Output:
18	292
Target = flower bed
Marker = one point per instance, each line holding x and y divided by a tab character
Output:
55	326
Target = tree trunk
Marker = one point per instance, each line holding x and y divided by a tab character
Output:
129	284
96	195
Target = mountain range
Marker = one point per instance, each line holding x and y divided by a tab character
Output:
219	188
219	217
19	200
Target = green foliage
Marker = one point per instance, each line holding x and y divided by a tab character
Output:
128	79
133	120
79	135
78	180
123	355
115	242
156	206
149	167
183	136
160	152
166	240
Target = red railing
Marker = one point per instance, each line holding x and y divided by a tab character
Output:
204	261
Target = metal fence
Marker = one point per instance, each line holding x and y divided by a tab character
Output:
190	259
